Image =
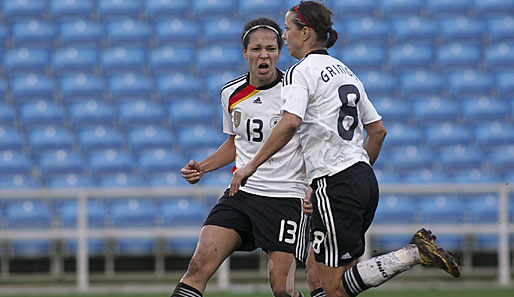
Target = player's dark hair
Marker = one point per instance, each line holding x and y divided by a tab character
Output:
317	17
257	24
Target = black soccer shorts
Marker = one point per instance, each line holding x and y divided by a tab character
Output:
344	207
272	224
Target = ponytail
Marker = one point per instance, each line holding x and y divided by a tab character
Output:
332	38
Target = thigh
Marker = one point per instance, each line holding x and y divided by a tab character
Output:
281	270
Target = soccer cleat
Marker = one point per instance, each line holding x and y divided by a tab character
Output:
431	254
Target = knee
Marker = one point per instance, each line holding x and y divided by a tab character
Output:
281	292
280	289
335	290
197	265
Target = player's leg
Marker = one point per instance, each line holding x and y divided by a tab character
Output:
214	245
313	278
281	270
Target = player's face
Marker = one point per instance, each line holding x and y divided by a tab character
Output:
293	37
262	54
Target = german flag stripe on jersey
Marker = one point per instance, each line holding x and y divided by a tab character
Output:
245	93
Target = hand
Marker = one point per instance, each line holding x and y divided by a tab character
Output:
192	172
240	177
307	204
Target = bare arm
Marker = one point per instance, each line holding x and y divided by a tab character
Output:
279	137
375	134
224	155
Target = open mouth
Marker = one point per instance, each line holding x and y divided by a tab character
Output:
263	68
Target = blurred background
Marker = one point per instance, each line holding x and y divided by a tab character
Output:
103	101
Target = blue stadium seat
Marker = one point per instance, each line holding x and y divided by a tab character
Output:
122	59
121	180
219	178
199	136
140	112
130	85
200	154
402	134
426	176
485	243
91	113
461	29
182	212
67	212
441	209
100	137
160	160
399	8
190	112
3	92
118	9
34	33
3	36
20	60
134	213
167	179
389	242
17	10
213	9
408	57
460	157
470	82
60	162
473	176
70	9
135	246
393	209
392	110
215	59
421	83
110	161
445	134
351	8
41	113
73	60
493	8
19	181
81	86
483	209
32	214
128	32
406	159
150	137
457	56
166	9
81	33
63	181
484	109
448	8
30	248
385	177
177	32
379	83
415	30
494	133
501	29
499	57
261	8
95	246
10	138
174	87
428	110
505	83
215	81
168	59
366	30
32	86
14	162
223	32
363	57
502	159
48	138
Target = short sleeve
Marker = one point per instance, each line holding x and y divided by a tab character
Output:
367	111
228	127
295	92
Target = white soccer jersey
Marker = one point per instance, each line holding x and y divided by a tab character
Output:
250	113
333	105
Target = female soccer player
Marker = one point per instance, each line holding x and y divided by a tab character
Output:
267	214
327	105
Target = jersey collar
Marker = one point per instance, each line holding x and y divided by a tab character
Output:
270	85
318	52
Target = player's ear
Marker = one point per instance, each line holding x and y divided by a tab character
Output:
245	54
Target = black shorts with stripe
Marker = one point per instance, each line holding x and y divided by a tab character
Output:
344	207
273	224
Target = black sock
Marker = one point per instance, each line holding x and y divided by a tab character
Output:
318	293
352	282
183	290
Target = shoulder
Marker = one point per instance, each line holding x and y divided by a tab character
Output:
300	66
232	85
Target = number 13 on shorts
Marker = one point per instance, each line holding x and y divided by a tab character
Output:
289	228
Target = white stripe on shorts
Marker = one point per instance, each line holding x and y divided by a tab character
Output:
331	251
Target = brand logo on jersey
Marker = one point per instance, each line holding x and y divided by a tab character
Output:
346	256
257	101
274	121
237	118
